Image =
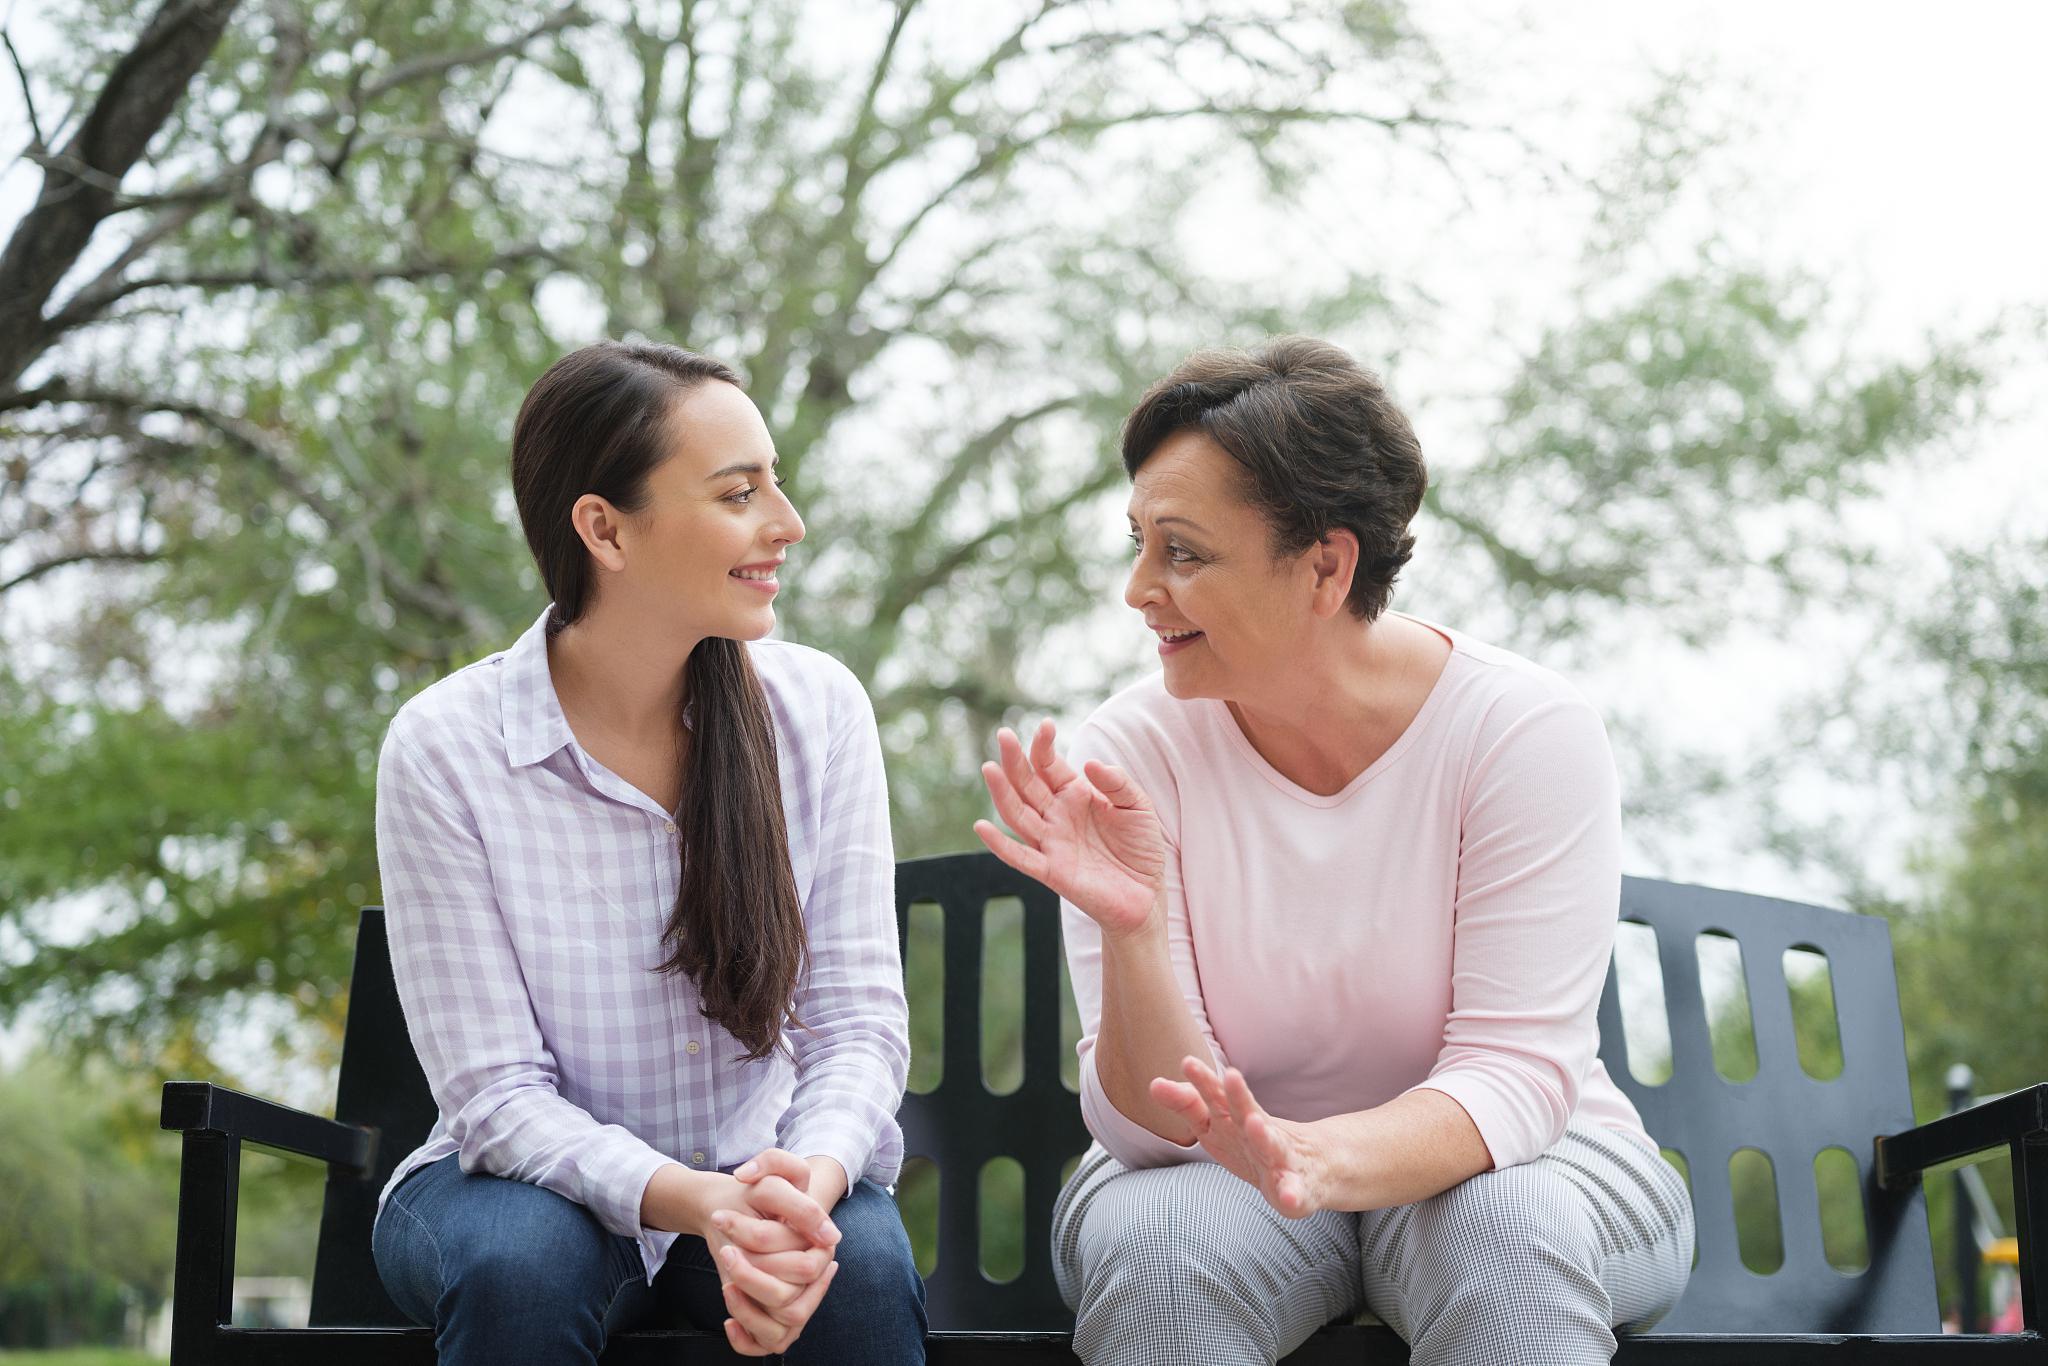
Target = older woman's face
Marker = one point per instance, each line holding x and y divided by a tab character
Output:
1228	615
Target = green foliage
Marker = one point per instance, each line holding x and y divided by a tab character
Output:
1969	953
88	1203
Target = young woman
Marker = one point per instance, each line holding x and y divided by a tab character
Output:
1341	887
638	882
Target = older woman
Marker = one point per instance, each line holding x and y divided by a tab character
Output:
1340	888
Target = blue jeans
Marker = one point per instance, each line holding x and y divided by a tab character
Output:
506	1271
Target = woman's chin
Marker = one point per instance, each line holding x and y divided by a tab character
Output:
755	627
1182	682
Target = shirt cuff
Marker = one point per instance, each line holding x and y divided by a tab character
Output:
1509	1138
1122	1137
623	1218
840	1137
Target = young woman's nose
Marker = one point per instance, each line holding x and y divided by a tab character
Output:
787	527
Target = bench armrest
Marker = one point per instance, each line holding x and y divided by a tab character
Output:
202	1107
2010	1119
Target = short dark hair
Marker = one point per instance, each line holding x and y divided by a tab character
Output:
1322	446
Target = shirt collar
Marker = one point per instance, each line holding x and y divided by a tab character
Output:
533	721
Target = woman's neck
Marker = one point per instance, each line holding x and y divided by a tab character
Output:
619	677
1343	702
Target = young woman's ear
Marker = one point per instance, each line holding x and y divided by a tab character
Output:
599	524
1334	560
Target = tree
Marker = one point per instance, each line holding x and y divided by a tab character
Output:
1969	944
260	441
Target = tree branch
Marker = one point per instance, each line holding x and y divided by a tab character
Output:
118	554
416	269
570	16
28	98
140	93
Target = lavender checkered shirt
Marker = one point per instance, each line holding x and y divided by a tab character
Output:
526	887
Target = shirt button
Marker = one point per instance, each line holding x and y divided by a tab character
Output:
670	826
691	1048
696	1159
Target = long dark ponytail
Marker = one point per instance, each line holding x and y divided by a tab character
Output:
599	421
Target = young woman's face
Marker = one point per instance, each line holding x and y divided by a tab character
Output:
704	546
1227	614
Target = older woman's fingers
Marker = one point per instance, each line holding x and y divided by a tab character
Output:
1209	1085
1027	823
1185	1101
1239	1096
1017	765
1117	787
1291	1196
1056	771
770	1292
1022	857
776	1198
775	1162
1266	1141
759	1235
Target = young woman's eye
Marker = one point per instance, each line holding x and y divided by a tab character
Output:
780	481
742	497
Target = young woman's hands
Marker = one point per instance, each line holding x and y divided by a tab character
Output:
1092	837
1278	1156
773	1245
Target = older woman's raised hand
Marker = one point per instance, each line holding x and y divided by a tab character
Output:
1090	836
1276	1155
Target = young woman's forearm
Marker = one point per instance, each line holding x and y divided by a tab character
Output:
1145	1030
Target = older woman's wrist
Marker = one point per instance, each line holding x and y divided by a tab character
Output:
1139	933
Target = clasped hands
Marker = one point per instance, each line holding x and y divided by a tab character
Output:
774	1246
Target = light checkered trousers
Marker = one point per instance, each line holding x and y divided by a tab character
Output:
1533	1264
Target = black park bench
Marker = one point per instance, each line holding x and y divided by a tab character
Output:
1806	1310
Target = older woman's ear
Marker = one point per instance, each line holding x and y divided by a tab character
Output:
1334	559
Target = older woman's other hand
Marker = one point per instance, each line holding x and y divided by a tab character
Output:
1092	837
1276	1155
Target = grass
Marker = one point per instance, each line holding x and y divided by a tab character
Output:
81	1356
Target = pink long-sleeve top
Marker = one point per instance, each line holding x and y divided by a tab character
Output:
1443	922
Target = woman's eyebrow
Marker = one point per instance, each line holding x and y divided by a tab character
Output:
742	467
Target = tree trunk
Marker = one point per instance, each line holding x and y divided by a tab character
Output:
80	181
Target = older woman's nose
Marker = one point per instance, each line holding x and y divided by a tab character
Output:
1140	588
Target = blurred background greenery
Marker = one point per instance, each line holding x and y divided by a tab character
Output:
278	273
